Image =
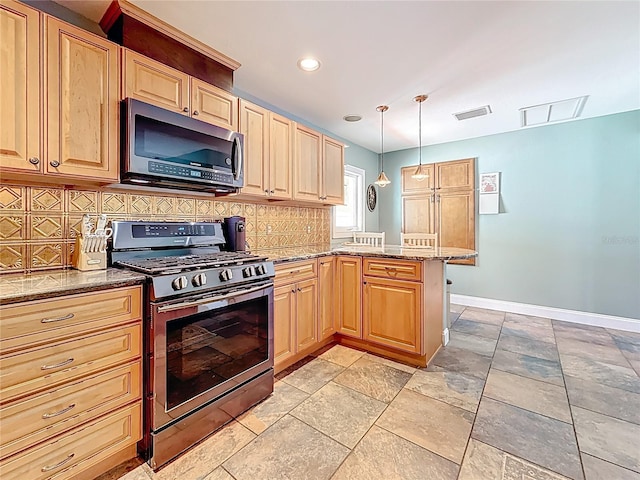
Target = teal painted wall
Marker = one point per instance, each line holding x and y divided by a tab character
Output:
569	236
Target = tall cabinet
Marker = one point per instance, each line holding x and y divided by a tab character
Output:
444	204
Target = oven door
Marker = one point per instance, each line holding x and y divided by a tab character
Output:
206	346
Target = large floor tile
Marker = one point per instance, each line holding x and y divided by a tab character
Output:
631	352
531	367
129	470
492	317
625	337
597	469
219	474
340	412
374	379
614	376
533	328
603	399
381	455
454	388
434	425
608	438
471	327
390	363
533	395
527	346
343	356
287	450
474	343
603	353
541	440
484	462
456	308
313	375
207	456
583	333
282	400
462	361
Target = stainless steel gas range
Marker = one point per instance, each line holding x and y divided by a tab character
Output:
208	330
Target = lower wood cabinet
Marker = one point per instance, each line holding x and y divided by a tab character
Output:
349	281
326	297
70	398
391	313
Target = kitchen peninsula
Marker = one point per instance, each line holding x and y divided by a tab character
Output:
389	301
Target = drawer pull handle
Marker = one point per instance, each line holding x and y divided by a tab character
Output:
390	269
59	319
55	414
48	468
61	364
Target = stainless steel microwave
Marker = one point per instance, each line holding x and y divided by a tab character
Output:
165	148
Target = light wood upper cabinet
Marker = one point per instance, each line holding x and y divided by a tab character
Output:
411	186
456	220
457	174
153	82
268	152
254	125
349	286
280	156
82	78
392	313
326	297
308	164
306	313
332	171
213	105
20	87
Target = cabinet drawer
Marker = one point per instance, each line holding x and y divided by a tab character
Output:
47	320
39	368
30	421
295	271
397	269
81	448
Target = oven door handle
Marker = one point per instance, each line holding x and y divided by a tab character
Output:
202	301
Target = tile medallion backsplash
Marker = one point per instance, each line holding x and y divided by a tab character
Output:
38	225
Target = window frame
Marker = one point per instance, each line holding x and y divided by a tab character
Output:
343	232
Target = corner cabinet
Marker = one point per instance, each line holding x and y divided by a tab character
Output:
268	152
349	285
153	82
71	132
319	168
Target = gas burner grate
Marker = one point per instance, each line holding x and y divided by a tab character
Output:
174	264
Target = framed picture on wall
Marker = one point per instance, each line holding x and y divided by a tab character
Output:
372	198
490	182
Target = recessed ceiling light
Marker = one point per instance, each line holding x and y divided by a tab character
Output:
308	64
352	117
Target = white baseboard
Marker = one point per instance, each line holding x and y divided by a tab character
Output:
575	316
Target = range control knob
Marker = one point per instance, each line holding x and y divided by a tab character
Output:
179	283
199	280
226	275
248	272
261	269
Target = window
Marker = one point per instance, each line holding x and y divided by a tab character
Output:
349	218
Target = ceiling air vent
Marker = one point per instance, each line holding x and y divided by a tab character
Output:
476	112
552	112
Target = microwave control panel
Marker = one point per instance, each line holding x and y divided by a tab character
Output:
195	173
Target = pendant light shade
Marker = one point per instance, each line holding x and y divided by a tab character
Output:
421	172
382	180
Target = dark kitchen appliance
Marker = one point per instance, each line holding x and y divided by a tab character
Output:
234	234
165	148
208	330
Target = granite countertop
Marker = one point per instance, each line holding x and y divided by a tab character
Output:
389	251
20	287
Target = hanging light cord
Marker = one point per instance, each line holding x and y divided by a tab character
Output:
382	140
420	132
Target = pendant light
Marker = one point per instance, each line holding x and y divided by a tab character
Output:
382	180
421	173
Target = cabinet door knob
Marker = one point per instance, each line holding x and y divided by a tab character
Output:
299	289
34	160
54	163
195	112
272	192
293	291
185	109
266	191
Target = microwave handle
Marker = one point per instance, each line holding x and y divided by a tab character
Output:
237	158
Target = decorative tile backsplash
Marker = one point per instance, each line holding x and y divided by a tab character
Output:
38	225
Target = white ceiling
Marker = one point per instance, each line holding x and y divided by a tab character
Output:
464	55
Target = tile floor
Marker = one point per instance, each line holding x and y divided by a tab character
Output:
511	397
